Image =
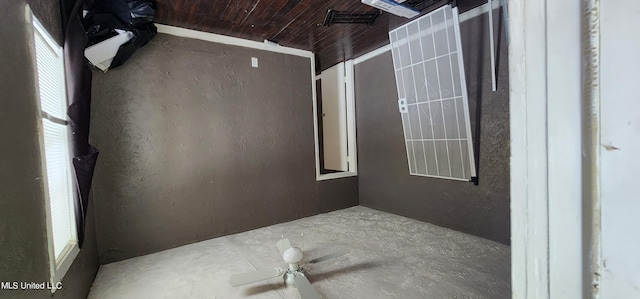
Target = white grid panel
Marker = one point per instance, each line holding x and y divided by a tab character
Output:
427	59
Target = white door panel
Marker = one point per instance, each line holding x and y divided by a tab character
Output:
334	119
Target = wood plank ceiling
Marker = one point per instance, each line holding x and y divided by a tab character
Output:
291	23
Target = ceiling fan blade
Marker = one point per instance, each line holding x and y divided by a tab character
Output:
329	256
305	288
245	278
283	245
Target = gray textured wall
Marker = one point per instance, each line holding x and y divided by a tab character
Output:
195	144
23	243
384	179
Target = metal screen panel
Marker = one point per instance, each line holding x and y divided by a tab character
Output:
427	59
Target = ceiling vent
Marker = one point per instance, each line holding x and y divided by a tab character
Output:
338	17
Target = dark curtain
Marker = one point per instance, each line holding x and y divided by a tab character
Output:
78	76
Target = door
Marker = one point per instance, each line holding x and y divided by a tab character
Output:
334	118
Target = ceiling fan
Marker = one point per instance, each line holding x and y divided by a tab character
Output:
293	276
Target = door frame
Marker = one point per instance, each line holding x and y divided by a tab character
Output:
554	112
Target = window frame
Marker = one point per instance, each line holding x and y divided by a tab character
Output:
59	266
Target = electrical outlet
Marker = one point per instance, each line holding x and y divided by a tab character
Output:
254	61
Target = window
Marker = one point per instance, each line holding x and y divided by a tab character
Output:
55	149
335	123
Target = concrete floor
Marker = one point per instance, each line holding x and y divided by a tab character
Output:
390	257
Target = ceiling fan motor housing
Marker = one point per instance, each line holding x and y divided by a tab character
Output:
289	276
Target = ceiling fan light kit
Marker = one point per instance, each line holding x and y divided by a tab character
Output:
294	276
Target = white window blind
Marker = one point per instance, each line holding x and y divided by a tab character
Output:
55	136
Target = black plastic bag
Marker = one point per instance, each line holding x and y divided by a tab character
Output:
130	12
141	12
141	35
135	16
102	26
